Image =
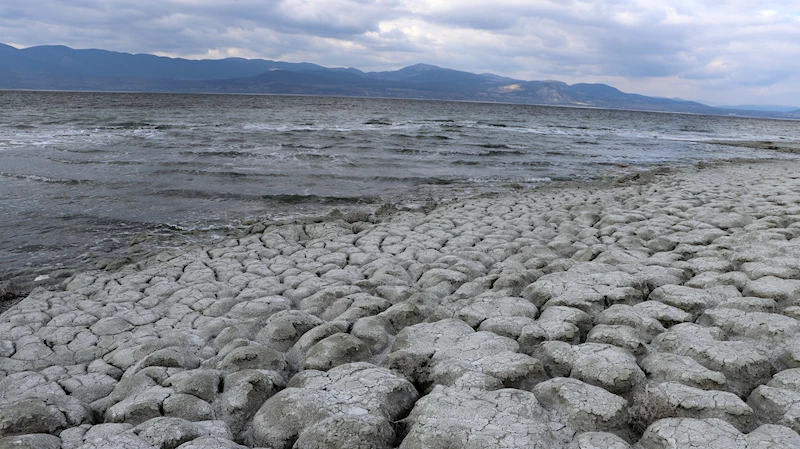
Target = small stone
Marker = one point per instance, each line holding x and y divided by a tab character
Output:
31	441
188	407
336	350
598	440
624	337
252	357
283	329
597	364
243	394
692	433
355	391
451	417
671	399
666	314
743	364
166	433
211	443
29	416
139	407
585	408
202	383
691	300
666	367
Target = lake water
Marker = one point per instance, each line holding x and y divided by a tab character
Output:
84	176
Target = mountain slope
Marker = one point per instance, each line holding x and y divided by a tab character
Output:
61	60
427	76
56	67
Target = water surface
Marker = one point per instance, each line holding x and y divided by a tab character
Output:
83	176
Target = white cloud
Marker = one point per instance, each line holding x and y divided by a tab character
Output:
705	50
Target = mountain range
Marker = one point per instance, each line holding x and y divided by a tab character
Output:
63	68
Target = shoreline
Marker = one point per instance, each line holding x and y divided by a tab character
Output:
779	146
628	312
18	284
425	198
13	289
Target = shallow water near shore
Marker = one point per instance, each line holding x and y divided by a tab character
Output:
88	177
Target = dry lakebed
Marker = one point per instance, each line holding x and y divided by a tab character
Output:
658	311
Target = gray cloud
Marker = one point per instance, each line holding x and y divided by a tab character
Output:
703	50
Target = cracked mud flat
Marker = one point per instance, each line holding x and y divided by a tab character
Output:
657	314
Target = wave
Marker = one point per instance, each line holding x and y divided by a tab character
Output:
45	179
621	164
300	146
90	220
314	156
378	122
282	198
494	150
692	129
461	162
219	174
137	125
423	136
495	180
414	180
410	151
456	153
498	149
74	162
580	127
205	194
533	163
88	151
318	199
502	153
228	153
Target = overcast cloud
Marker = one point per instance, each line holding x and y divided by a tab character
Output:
731	52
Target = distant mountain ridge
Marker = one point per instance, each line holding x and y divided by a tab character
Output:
55	67
61	60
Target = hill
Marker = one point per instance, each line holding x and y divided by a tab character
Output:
63	68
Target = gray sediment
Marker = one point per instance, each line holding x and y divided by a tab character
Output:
660	311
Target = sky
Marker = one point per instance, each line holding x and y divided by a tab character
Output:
717	52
